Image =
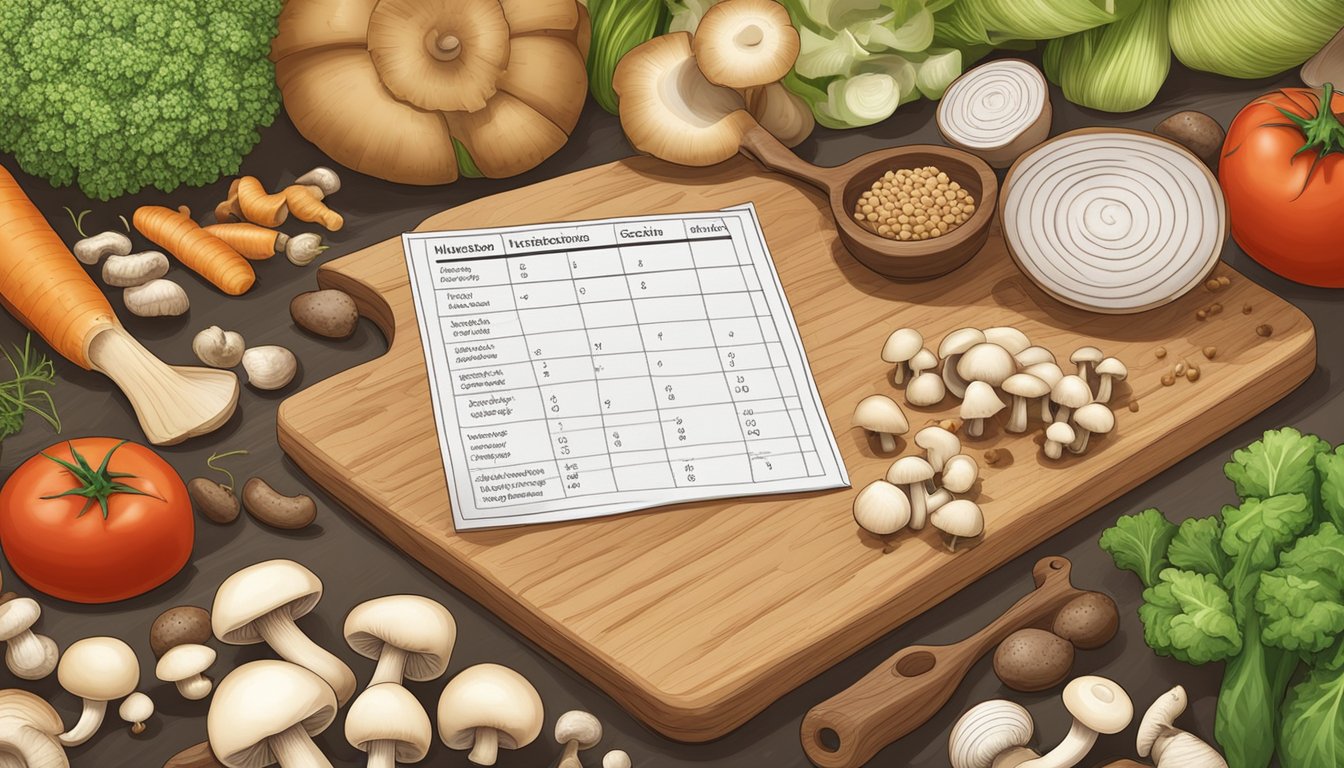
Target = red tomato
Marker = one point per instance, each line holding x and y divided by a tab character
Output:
1285	212
71	546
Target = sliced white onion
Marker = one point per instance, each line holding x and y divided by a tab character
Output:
1113	221
997	111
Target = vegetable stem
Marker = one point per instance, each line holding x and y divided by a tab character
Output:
210	462
1323	131
95	485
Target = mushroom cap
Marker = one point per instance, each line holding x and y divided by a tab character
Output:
1007	337
745	43
184	661
1050	373
18	616
389	712
1159	718
938	440
421	627
616	758
489	696
253	592
879	413
925	389
1025	385
959	517
1060	432
1096	418
177	626
986	730
411	42
1033	355
1086	355
981	401
580	726
959	341
259	700
1098	703
881	508
99	669
960	473
1071	391
986	362
909	470
1112	367
669	110
904	343
136	708
924	360
30	710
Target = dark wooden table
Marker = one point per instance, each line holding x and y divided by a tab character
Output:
355	564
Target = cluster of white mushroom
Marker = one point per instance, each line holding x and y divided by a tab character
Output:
982	368
996	733
924	490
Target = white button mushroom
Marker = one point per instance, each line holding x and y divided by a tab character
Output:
1170	746
616	758
900	348
267	712
135	710
1007	337
1034	356
1023	387
1092	418
913	473
950	350
939	445
1071	392
881	508
388	723
1098	706
959	519
261	602
487	707
184	666
981	403
881	415
994	732
1057	435
28	730
960	473
926	388
576	730
986	362
30	656
1050	374
1085	358
97	670
269	366
1108	372
156	298
410	636
218	348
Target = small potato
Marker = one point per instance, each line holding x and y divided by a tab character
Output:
329	313
1033	660
1197	132
1088	621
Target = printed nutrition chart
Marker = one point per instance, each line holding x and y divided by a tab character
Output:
599	367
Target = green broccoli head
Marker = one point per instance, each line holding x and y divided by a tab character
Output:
117	95
1189	617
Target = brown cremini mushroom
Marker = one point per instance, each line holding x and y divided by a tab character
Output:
181	625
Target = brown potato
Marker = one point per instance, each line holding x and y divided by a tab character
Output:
1088	621
1033	660
1197	132
330	313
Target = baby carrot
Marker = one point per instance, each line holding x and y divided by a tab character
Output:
305	202
254	242
200	251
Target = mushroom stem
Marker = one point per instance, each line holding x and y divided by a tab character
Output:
749	36
195	688
919	509
89	719
391	666
570	757
1079	443
486	746
31	656
1046	415
1053	449
293	748
887	441
445	47
280	632
383	754
952	544
975	427
1063	413
901	373
1070	751
1104	389
1017	418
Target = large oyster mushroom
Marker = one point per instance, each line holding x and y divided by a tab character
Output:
422	91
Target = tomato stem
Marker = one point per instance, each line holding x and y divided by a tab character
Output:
96	485
210	462
1323	131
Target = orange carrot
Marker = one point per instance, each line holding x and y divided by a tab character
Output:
200	251
305	202
228	210
259	207
41	283
253	241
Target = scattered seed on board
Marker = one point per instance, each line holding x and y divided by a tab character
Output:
914	204
1160	352
1224	280
994	456
1202	314
1193	373
1212	285
1180	368
1168	379
1134	404
1264	330
1210	352
1215	308
1247	309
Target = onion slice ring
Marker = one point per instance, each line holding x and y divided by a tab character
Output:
997	111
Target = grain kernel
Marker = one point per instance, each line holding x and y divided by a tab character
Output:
1264	331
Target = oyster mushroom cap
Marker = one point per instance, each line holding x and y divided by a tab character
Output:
440	55
986	731
29	727
745	43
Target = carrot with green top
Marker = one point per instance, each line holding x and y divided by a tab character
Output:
202	252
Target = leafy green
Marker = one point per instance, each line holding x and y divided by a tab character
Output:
1330	468
1300	602
117	95
1116	68
1139	543
1279	462
617	27
1188	616
1254	682
27	392
1311	732
1197	546
992	22
1255	532
1251	39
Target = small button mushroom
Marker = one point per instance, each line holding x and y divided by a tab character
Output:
388	723
156	298
981	403
913	474
950	350
616	758
1034	356
214	500
1031	660
1069	393
97	670
939	445
1098	705
1088	621
408	635
900	348
881	415
576	730
29	728
134	269
185	666
1091	419
1007	337
262	602
328	312
180	625
323	178
1086	358
992	733
302	249
269	366
960	473
1109	371
1050	374
1057	435
271	709
881	508
29	656
218	348
92	250
135	710
986	362
1022	387
1170	746
487	707
959	519
926	389
269	506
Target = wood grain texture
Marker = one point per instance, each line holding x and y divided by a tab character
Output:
696	617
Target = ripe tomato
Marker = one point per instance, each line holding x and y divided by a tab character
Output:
112	522
1285	207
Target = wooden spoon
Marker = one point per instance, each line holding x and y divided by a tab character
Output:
898	259
905	691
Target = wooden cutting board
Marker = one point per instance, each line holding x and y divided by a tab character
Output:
696	617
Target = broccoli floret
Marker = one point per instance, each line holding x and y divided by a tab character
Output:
118	95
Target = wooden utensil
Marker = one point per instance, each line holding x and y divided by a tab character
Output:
903	692
843	184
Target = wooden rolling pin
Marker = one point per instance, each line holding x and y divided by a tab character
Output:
905	691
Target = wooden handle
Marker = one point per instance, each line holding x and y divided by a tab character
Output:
902	693
761	146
